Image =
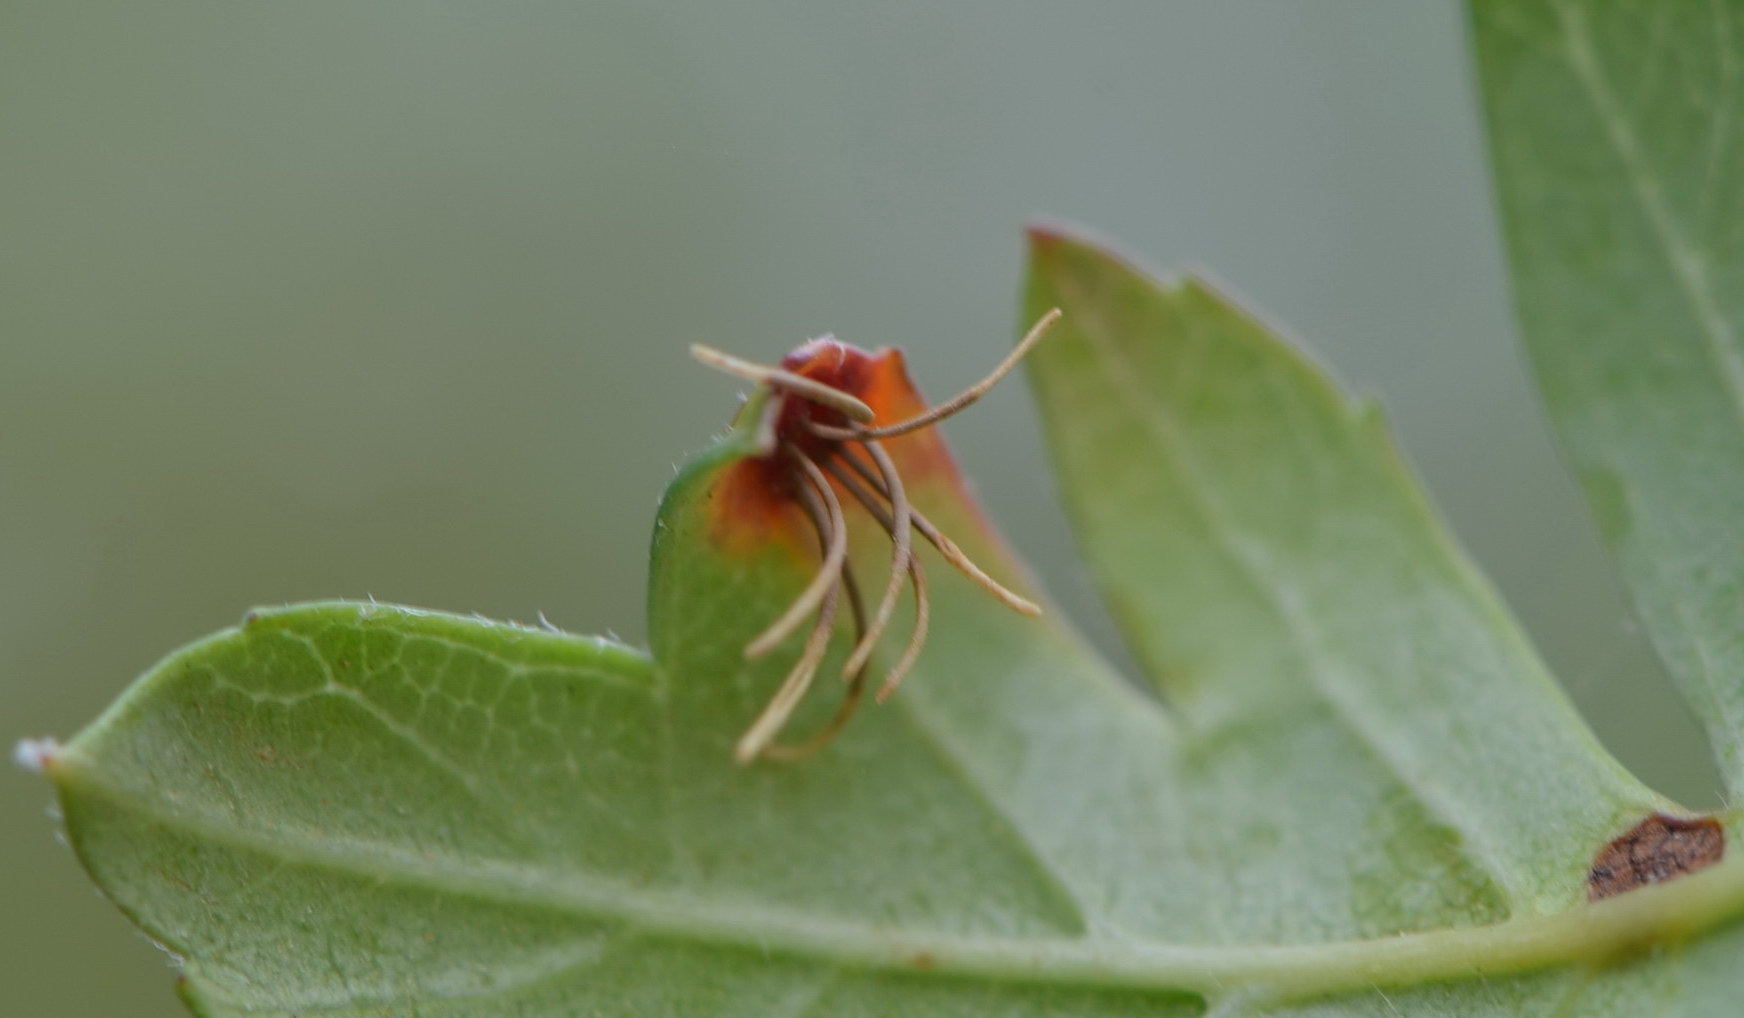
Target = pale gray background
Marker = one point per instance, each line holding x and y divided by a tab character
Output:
328	298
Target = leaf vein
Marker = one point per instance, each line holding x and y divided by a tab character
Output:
1674	909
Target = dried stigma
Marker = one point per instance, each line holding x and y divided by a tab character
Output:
823	440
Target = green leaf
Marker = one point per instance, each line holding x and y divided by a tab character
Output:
1617	131
1365	795
1284	582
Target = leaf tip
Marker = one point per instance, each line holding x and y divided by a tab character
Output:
1048	238
1065	255
1043	235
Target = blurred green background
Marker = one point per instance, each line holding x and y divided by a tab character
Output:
337	299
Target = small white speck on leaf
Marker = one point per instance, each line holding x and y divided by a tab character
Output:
35	755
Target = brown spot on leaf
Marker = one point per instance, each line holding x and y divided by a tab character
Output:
1657	849
923	961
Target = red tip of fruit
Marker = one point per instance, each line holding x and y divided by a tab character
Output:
756	500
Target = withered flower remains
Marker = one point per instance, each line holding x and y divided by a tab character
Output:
824	443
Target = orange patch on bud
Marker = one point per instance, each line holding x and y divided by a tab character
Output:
753	505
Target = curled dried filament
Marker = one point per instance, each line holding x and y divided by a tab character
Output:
799	678
961	400
901	531
916	576
781	378
815	510
946	547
